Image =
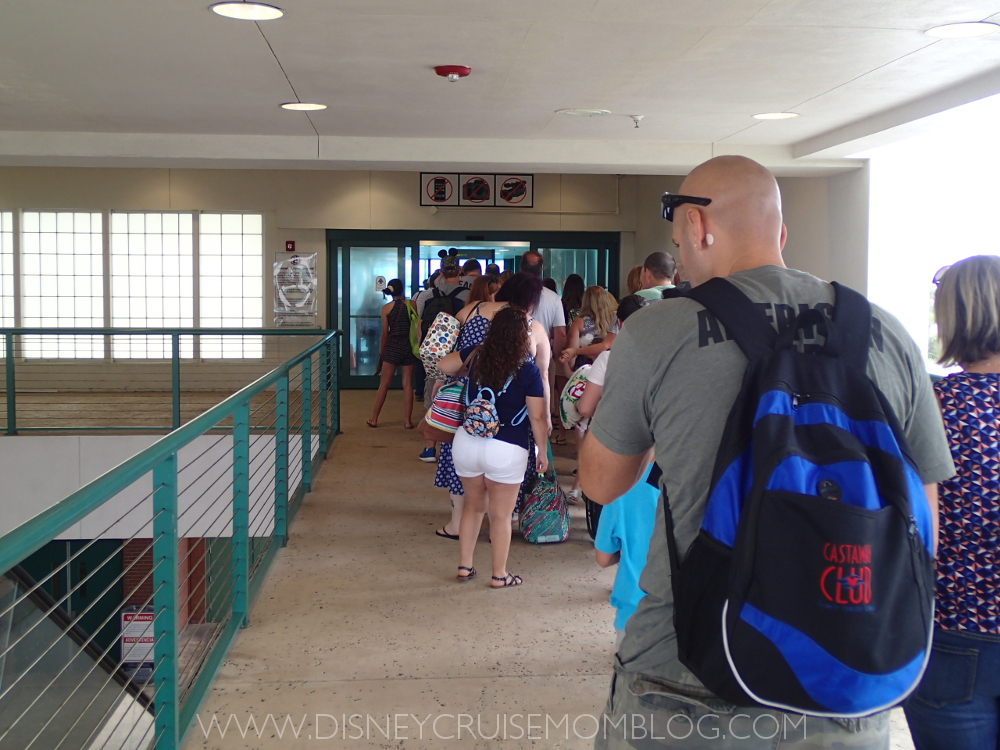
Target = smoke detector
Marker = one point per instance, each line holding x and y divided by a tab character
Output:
453	72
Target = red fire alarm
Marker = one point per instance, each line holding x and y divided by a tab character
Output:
452	72
290	246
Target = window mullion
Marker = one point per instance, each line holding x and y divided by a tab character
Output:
16	222
196	280
106	277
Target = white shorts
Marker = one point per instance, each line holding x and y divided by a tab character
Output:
500	462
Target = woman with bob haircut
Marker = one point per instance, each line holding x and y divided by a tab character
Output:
492	468
958	701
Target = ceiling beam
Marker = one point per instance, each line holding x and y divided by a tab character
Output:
896	123
398	154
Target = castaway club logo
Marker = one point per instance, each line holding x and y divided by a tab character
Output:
847	579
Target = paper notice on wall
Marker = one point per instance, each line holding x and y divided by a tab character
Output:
295	290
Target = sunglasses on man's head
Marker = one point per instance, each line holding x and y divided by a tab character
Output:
671	201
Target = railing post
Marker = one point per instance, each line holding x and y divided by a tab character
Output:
306	418
175	380
11	392
165	592
322	393
241	512
336	385
281	461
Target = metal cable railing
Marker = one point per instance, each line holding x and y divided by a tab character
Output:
130	380
113	641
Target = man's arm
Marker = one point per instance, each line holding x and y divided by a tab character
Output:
605	475
558	341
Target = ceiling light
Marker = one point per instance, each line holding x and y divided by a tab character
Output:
247	11
584	112
963	30
776	115
303	106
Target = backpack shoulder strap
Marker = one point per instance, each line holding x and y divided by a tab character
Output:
743	321
852	317
456	291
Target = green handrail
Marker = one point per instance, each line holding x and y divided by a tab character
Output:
174	713
37	531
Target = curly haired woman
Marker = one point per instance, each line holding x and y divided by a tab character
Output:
491	468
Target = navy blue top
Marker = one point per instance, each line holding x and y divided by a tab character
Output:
510	403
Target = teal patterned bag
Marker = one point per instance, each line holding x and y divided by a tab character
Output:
545	513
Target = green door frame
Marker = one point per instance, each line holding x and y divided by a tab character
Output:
338	267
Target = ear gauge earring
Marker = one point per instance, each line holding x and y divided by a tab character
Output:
709	240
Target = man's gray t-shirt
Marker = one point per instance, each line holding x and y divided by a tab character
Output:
550	311
672	379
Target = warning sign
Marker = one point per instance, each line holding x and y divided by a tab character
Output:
295	287
515	190
137	635
477	190
438	189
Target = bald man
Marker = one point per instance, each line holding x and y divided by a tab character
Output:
671	381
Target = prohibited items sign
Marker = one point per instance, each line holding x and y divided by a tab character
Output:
438	189
477	190
515	190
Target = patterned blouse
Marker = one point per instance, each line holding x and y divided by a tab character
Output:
968	565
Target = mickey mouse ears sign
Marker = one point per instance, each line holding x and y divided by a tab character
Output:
477	190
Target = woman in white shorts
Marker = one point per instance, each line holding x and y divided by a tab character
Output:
492	468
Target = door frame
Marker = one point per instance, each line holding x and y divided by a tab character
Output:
338	267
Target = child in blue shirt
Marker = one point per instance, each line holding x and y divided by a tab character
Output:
623	535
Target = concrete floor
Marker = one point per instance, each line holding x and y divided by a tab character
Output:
361	615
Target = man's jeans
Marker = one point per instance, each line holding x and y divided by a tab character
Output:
645	713
956	705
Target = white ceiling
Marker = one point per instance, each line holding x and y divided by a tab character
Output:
696	69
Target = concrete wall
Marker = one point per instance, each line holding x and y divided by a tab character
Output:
827	220
826	216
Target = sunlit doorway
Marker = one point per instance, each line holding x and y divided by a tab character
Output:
360	260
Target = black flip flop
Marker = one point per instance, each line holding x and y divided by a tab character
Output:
508	580
445	534
471	572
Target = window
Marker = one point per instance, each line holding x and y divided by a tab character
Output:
63	278
6	275
152	281
231	264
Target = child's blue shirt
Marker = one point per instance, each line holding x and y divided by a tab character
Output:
626	526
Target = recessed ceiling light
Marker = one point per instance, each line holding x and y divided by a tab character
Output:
584	112
303	106
247	11
963	30
776	115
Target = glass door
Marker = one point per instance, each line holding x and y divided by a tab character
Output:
592	263
364	268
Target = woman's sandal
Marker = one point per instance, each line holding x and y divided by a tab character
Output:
559	440
508	580
471	573
445	535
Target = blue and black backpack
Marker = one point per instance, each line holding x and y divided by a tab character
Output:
810	585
